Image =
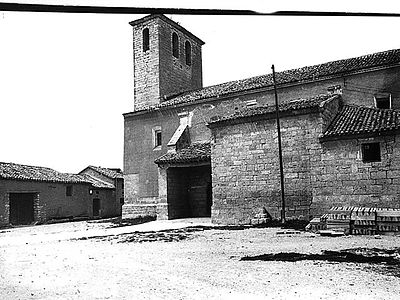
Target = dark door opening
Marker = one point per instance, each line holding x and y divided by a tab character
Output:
189	192
96	207
21	208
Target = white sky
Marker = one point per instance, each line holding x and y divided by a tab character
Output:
66	79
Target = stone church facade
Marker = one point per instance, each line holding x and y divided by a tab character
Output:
193	151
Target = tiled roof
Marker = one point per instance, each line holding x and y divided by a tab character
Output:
309	73
168	20
24	172
196	152
288	106
96	182
110	173
354	120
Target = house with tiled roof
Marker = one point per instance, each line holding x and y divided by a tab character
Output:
34	195
193	151
105	202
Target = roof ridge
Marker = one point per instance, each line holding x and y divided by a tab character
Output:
372	108
311	72
289	70
32	166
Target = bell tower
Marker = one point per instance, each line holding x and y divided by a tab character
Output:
166	60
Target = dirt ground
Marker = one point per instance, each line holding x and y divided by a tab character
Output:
86	260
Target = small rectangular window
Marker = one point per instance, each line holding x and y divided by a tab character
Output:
157	138
371	152
175	45
146	39
383	102
188	53
68	190
121	201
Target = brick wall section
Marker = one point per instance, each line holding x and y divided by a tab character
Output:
52	201
39	209
341	178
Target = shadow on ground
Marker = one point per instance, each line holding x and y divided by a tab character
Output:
387	259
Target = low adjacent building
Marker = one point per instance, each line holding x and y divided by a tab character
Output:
31	195
107	194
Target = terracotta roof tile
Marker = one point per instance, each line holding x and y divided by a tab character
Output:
97	182
196	152
353	120
308	73
292	105
108	172
25	172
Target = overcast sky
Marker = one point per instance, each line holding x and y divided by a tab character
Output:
66	79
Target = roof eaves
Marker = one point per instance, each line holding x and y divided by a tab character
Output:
367	134
270	112
267	87
169	21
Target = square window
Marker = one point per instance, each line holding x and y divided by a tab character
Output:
383	102
68	190
371	152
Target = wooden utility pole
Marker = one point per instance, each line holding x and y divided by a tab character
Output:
278	126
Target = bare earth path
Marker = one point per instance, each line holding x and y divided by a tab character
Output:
54	262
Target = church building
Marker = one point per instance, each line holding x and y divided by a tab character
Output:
194	151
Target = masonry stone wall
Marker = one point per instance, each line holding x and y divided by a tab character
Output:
245	168
146	65
175	75
132	210
341	178
51	201
156	71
